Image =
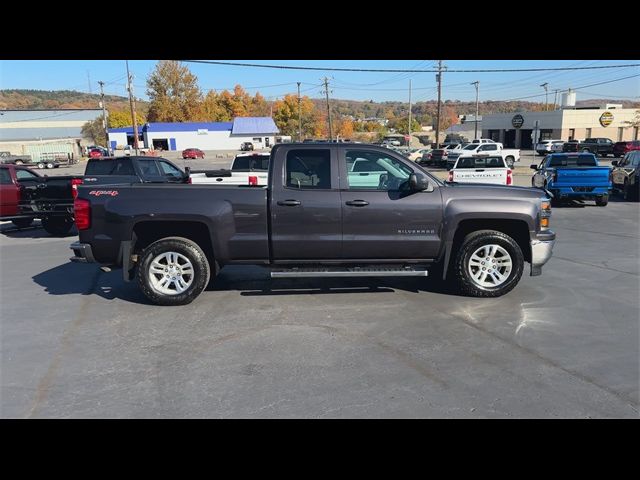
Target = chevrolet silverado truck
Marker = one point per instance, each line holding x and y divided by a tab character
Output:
573	176
598	146
481	169
134	169
246	169
25	196
317	217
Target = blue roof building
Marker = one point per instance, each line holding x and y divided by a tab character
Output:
261	131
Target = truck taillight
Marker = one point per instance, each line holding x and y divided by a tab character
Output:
74	186
509	177
450	179
82	213
253	180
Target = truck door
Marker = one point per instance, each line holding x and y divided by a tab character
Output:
305	205
9	194
380	220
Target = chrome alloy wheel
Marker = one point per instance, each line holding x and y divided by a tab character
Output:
490	266
170	273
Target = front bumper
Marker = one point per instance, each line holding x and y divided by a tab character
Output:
82	253
541	251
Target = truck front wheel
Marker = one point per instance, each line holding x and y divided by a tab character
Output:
602	201
173	271
488	264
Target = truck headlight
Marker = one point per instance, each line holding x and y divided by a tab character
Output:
545	214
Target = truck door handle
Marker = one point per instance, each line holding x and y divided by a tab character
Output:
357	203
289	203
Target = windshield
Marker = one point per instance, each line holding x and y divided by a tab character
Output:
574	161
487	162
471	146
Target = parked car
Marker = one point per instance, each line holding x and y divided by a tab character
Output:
134	169
311	221
246	169
246	146
25	195
481	169
621	148
571	146
626	175
483	140
9	158
192	153
598	146
573	176
543	147
97	153
418	153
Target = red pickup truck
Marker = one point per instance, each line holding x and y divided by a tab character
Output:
25	195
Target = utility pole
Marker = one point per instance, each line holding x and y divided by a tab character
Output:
104	113
409	127
439	79
326	91
89	81
133	109
477	84
555	99
299	114
546	95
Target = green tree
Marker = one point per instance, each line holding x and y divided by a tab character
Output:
122	118
174	93
95	131
400	125
285	115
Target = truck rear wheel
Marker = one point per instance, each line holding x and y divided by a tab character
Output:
57	226
488	264
173	271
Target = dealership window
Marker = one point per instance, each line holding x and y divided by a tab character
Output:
572	134
545	134
257	139
588	133
620	133
308	169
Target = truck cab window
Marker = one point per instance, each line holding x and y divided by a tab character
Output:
308	169
5	177
148	168
169	169
375	171
25	175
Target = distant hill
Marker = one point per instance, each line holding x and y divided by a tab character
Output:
424	111
42	99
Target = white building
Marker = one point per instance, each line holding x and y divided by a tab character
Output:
261	131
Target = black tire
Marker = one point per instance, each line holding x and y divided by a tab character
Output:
628	192
470	244
22	222
602	201
186	247
57	226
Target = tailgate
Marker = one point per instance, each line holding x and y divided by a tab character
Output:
46	189
583	177
481	175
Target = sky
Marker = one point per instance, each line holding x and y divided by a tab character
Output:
83	75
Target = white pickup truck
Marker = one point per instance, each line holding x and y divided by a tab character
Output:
481	169
510	155
246	169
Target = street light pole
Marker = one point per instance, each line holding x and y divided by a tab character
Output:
477	85
546	96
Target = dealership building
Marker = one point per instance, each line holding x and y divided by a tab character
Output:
261	131
517	130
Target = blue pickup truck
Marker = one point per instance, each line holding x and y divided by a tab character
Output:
575	176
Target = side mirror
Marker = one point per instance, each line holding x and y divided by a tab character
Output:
614	163
418	183
534	167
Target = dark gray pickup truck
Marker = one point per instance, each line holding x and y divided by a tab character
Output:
328	211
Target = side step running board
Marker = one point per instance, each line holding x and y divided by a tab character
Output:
348	272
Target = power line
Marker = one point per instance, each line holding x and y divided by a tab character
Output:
400	70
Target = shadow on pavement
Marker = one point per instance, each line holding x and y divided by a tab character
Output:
32	231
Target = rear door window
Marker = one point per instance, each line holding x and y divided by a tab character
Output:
148	168
5	176
308	169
